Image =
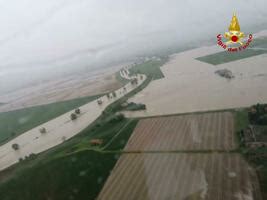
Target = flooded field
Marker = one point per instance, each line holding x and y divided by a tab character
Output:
191	85
60	89
59	129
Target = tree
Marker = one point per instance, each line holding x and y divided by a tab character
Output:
42	130
134	81
120	117
116	118
114	94
32	156
262	120
77	111
15	146
257	114
73	116
99	101
63	138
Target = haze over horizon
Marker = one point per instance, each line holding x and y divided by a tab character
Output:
43	38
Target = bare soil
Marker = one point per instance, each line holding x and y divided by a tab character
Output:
181	176
209	131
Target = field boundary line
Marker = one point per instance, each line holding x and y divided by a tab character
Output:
191	113
116	135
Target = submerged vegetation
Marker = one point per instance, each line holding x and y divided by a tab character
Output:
133	106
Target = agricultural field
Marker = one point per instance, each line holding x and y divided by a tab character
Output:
209	131
192	156
78	176
150	68
257	47
225	57
72	170
188	176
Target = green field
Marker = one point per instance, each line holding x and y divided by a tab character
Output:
150	68
241	119
14	123
119	141
75	170
225	57
79	176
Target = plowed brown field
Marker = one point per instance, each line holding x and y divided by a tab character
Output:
185	176
210	131
153	173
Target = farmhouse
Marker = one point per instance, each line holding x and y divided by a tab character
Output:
96	142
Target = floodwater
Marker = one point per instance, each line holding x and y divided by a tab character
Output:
191	85
61	88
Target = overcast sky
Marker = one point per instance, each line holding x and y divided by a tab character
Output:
59	35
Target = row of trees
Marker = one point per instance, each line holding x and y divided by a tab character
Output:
134	106
43	130
111	95
32	156
74	115
77	111
134	81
